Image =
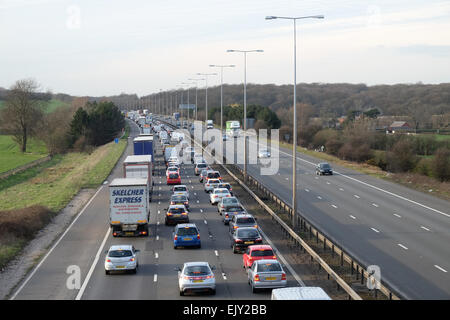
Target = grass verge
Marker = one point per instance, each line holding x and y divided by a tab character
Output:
50	186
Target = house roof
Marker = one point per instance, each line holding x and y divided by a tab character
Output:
397	124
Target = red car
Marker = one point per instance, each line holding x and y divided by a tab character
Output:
257	252
173	178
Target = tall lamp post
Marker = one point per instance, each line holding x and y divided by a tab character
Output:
245	105
206	94
294	145
221	90
196	89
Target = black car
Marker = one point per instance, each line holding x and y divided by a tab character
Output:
324	168
176	214
244	237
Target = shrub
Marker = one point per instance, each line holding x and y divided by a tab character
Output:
441	164
423	166
401	158
322	136
333	145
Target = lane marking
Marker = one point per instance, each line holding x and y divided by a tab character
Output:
341	189
198	201
425	228
156	255
224	276
206	222
157	222
328	182
91	270
356	196
155	278
352	217
306	190
334	206
376	188
157	238
440	268
319	197
201	210
402	246
217	253
375	230
397	215
375	205
54	246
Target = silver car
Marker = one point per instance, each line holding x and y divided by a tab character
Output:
211	184
226	202
196	277
266	274
121	258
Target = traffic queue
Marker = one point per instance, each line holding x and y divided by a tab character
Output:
259	260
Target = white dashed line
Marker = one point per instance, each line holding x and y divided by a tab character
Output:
375	230
201	210
319	197
334	206
375	205
217	253
352	217
156	255
397	215
224	276
440	268
157	238
356	196
402	246
198	201
206	222
157	223
155	278
424	228
306	190
341	189
159	211
328	182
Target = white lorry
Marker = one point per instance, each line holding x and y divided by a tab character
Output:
209	124
140	167
129	211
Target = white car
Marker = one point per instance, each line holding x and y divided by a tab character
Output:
121	258
211	184
217	195
172	169
196	277
263	153
181	189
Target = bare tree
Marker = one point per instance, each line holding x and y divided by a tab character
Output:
22	112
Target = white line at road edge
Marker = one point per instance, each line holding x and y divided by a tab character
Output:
443	270
294	274
91	270
54	246
376	188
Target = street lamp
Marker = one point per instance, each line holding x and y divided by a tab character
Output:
221	90
188	83
245	105
196	87
294	143
206	95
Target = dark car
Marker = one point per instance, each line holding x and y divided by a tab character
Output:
324	168
244	237
242	221
179	199
176	214
230	212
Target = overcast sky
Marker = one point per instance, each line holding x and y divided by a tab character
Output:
107	47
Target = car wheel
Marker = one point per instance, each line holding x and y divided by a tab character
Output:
175	247
199	246
213	292
181	293
134	271
234	249
107	272
254	290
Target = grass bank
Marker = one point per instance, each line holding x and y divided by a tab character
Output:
11	157
49	187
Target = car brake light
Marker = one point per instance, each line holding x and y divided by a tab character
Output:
238	241
283	276
132	259
169	213
108	260
184	213
235	227
175	238
255	226
274	257
209	277
198	236
226	215
172	202
186	202
256	277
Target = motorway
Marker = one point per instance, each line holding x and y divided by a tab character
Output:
84	242
404	232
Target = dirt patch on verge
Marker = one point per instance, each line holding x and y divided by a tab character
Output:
17	269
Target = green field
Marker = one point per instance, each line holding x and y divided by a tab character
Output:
11	157
50	107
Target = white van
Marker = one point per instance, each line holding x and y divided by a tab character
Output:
299	293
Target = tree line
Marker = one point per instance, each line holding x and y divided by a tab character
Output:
82	126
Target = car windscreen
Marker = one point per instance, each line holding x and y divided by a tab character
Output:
202	165
213	181
213	175
187	231
262	253
179	198
325	166
246	220
196	270
247	233
173	176
221	191
235	209
176	210
120	253
230	200
179	189
267	267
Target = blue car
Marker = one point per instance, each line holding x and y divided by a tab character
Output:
186	235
